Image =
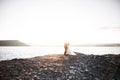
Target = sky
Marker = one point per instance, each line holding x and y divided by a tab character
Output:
52	22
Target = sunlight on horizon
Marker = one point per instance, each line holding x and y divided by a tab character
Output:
86	37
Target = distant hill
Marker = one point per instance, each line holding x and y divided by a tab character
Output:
12	43
112	45
101	45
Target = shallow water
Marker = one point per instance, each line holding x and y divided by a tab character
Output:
7	53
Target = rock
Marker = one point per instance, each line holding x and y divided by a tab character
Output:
45	68
36	77
58	78
86	70
84	78
72	67
81	71
70	77
97	79
72	71
51	69
26	78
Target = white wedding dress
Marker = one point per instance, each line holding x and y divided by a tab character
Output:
69	52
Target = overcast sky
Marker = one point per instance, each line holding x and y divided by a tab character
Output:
56	21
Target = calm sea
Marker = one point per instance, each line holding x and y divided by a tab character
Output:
7	53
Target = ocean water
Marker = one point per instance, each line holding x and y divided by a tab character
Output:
8	53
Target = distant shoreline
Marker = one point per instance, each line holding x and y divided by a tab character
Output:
19	43
98	45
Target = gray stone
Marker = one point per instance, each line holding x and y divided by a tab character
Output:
58	78
51	69
86	70
97	79
72	67
72	71
84	78
70	77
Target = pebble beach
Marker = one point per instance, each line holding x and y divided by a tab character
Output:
60	67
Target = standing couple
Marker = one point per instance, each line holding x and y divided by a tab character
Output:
67	49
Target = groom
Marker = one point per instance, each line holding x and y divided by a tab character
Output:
66	47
